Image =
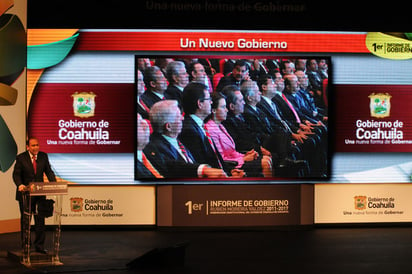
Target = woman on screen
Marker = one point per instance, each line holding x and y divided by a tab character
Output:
253	164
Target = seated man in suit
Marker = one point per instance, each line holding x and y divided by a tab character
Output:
165	150
309	106
245	137
239	74
274	138
286	110
156	85
178	79
197	73
293	100
257	68
315	82
197	106
246	133
290	106
270	109
313	137
302	147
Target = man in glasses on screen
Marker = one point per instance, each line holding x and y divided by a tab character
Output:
195	136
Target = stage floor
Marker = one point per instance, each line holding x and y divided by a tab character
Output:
314	250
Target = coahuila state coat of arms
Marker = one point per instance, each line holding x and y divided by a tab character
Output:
76	204
380	105
360	202
84	104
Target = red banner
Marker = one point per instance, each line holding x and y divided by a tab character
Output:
222	41
83	118
373	118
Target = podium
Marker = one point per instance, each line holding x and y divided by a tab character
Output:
54	191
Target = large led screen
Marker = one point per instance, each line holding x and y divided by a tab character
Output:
341	109
257	115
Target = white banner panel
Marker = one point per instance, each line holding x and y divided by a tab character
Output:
363	203
108	205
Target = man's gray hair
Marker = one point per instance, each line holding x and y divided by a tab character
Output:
173	69
162	113
247	89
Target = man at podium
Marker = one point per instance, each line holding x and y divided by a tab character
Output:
31	166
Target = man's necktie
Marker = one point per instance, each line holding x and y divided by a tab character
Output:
150	167
143	105
265	68
277	116
209	138
182	148
240	117
292	108
34	164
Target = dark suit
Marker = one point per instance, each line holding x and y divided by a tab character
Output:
196	141
272	66
226	81
256	74
257	120
298	103
274	118
314	148
315	80
276	140
228	66
167	160
142	172
245	138
310	103
281	127
303	104
291	118
149	98
315	84
286	112
174	93
23	174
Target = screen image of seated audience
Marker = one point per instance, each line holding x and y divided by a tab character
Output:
231	118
